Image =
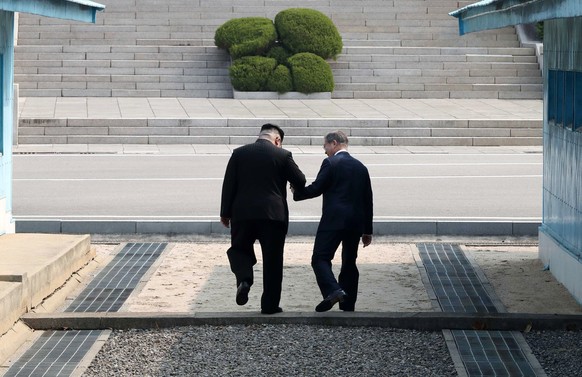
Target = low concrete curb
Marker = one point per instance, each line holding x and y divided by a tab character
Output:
428	321
296	228
33	267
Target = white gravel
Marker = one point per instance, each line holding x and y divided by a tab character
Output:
559	352
273	350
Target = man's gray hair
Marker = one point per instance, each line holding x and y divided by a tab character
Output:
337	136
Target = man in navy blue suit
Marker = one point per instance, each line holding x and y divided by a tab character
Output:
346	218
254	205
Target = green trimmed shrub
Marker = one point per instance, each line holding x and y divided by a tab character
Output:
246	36
286	55
308	30
250	73
280	81
311	73
280	54
540	30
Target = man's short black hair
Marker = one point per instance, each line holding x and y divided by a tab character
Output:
270	126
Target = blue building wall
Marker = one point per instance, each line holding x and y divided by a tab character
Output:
80	10
562	196
560	236
6	98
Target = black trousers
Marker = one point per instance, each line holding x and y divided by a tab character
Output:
241	255
326	244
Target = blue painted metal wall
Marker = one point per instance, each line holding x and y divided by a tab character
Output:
562	196
492	14
79	10
6	97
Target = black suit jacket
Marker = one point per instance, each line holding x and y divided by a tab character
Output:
255	183
347	194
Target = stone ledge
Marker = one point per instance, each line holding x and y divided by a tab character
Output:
34	266
296	227
274	95
426	321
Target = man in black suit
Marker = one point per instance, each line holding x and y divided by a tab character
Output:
254	204
346	217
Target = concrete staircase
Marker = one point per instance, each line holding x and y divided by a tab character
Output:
437	72
407	49
196	131
156	48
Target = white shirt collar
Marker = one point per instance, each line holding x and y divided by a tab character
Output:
340	151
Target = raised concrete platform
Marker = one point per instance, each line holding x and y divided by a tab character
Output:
370	122
427	321
33	267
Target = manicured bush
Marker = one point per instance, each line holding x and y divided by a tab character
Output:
286	55
246	36
280	80
250	73
280	54
310	73
540	30
308	30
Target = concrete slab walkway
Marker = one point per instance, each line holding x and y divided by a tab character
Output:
215	108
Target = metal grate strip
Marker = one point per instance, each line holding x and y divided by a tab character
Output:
57	353
453	279
112	286
457	288
492	353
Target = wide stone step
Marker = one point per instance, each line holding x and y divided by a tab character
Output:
30	33
237	140
437	50
206	131
353	57
340	66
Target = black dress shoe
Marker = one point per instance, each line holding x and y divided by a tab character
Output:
271	311
242	293
331	300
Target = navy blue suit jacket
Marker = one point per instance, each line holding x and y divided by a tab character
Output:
347	194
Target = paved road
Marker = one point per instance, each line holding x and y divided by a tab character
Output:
442	184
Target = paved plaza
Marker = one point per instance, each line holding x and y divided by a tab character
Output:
332	109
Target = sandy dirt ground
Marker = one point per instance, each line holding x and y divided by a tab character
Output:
195	277
520	280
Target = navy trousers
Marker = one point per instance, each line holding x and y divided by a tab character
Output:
326	244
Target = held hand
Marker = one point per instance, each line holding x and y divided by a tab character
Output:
225	221
366	239
292	189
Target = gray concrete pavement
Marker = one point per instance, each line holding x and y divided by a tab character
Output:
137	188
175	189
216	108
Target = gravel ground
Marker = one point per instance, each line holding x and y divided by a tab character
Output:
296	350
273	350
559	352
